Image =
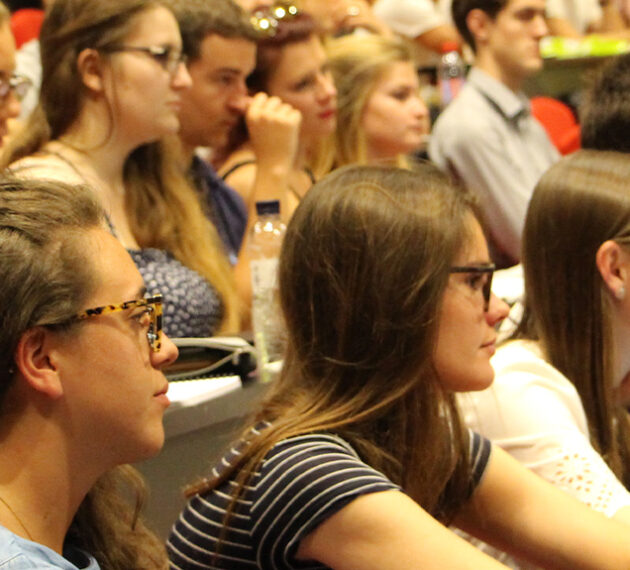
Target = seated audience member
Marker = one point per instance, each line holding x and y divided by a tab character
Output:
487	138
557	402
575	18
357	455
381	117
605	107
421	21
81	388
291	66
113	76
220	43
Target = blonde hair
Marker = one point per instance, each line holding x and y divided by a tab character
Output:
164	209
358	63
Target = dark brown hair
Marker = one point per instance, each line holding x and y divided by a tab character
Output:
295	29
605	107
364	265
200	18
461	8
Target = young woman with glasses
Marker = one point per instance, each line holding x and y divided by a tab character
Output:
357	455
558	403
81	388
113	73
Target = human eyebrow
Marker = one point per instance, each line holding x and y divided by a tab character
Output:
527	14
226	71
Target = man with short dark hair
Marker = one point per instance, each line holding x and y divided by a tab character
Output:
221	47
487	137
220	44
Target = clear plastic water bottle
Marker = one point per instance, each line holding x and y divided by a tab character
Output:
451	72
265	242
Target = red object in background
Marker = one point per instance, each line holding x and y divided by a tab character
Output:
559	121
25	25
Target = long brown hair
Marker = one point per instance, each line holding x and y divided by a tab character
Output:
363	269
46	279
163	209
579	203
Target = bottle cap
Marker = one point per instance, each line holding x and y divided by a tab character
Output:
449	46
267	207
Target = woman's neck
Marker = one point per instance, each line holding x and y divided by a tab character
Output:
383	159
101	167
103	160
42	485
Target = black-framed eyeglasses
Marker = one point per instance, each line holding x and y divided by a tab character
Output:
19	84
266	21
151	317
481	269
168	57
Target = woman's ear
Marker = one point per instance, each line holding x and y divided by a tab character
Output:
90	66
613	263
35	361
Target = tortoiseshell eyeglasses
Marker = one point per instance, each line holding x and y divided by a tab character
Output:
151	317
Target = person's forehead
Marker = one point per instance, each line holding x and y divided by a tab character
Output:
219	52
398	72
298	58
156	24
537	6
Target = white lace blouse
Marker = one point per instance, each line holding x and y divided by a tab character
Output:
535	414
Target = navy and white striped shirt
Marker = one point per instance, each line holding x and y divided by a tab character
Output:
303	481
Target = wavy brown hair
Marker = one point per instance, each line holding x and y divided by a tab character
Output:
364	265
579	203
163	208
46	279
